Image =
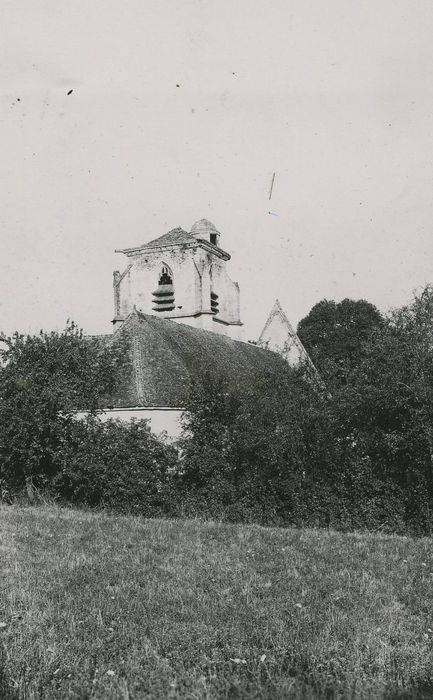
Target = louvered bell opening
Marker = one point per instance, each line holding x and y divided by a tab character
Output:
214	302
164	290
163	298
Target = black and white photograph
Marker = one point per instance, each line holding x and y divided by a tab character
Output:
216	349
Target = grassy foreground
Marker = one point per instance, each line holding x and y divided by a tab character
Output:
94	605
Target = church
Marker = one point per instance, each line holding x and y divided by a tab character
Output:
178	312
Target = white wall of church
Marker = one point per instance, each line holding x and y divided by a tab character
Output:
160	419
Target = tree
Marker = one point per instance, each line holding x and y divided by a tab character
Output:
386	408
334	334
360	455
44	380
265	454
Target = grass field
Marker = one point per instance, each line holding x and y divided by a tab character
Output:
95	605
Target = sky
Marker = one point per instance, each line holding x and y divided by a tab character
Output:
122	120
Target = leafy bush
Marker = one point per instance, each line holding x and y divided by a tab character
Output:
359	454
44	380
116	465
256	456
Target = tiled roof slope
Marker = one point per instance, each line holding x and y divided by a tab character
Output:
173	237
165	356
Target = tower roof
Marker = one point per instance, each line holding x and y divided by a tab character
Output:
200	233
173	237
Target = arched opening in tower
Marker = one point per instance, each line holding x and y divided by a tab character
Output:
163	296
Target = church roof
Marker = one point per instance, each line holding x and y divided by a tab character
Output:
166	356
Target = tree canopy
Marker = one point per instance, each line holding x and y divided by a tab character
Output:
335	333
358	454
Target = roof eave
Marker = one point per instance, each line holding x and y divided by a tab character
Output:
193	244
146	247
214	249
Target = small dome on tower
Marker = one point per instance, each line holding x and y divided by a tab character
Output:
206	231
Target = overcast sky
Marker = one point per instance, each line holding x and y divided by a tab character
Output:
183	109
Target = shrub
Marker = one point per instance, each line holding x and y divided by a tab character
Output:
44	380
259	455
116	465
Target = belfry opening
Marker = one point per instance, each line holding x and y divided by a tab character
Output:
163	296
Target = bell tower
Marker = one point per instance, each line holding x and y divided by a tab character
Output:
180	276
